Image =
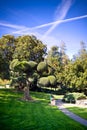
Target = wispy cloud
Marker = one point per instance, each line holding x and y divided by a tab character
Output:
12	26
60	13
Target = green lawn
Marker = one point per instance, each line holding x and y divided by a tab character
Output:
82	112
39	115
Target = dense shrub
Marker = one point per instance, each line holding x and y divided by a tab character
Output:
79	96
4	82
42	66
69	98
52	80
32	64
72	97
44	81
13	64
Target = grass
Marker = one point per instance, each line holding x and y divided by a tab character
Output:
39	115
82	112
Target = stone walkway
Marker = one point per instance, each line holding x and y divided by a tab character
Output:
61	107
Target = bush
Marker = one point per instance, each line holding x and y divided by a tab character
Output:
79	96
72	97
42	66
44	81
4	82
32	64
13	64
52	80
69	98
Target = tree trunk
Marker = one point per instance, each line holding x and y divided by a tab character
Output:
27	92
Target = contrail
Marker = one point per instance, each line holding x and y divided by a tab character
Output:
61	13
59	21
56	22
24	29
11	26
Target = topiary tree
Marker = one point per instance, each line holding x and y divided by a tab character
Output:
47	81
52	80
23	70
42	69
44	81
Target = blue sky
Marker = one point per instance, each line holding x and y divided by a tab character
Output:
52	21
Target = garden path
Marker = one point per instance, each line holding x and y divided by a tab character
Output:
62	108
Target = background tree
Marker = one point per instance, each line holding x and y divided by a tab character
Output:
58	60
6	54
29	48
22	48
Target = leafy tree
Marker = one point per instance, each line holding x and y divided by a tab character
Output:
58	60
75	75
7	47
4	68
6	53
64	58
29	48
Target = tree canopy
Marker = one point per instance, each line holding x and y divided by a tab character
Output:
26	57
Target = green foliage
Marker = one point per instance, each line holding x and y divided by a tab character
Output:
52	80
47	81
72	97
13	64
79	96
69	98
44	81
22	73
4	68
42	66
32	64
22	65
18	82
28	53
29	48
7	47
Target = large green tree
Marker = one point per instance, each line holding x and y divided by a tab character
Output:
6	54
29	48
58	60
22	48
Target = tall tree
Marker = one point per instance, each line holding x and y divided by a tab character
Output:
64	58
83	51
6	54
7	47
29	48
